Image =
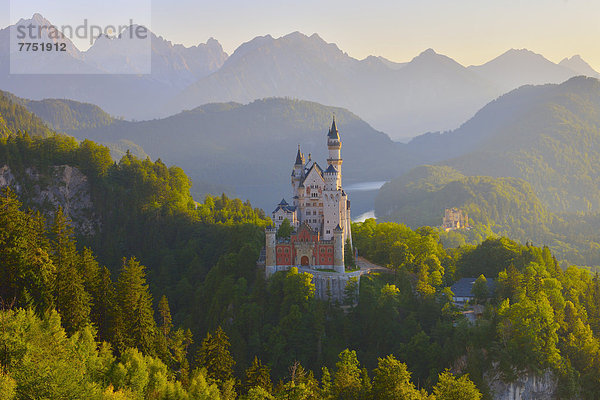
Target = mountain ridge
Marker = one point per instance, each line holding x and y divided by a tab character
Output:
547	135
215	142
429	93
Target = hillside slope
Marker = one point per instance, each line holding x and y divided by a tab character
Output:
505	206
15	117
68	115
495	206
547	135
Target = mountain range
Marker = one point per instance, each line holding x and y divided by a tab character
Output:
547	135
94	74
430	93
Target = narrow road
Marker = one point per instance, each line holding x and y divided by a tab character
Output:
368	267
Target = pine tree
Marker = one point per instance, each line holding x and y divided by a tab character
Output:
366	386
104	306
98	284
72	300
165	316
258	375
215	357
134	319
349	255
347	378
164	343
27	273
392	380
326	385
178	345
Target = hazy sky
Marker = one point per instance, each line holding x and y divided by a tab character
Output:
470	31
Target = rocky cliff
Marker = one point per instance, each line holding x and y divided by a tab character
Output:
63	186
528	386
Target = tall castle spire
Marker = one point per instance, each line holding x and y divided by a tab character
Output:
333	131
334	145
299	157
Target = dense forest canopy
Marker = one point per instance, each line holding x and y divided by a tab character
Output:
176	272
495	206
166	300
15	117
67	115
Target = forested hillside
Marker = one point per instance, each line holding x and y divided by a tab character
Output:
68	115
495	206
166	301
201	258
419	198
547	135
14	117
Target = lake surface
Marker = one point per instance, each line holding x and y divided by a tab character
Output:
364	216
364	186
362	196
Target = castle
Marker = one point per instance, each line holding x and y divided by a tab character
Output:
319	213
454	219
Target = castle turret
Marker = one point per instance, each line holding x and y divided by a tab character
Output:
330	176
338	250
297	175
334	145
270	248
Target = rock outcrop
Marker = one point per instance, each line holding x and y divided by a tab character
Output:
61	185
528	386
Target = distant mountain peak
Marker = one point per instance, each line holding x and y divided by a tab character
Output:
39	19
519	51
298	36
295	35
517	67
36	19
430	57
519	54
428	52
575	57
580	66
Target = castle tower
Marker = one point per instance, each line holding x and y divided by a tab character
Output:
334	145
331	202
338	250
271	260
297	176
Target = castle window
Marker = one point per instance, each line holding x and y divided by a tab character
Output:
329	250
328	231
